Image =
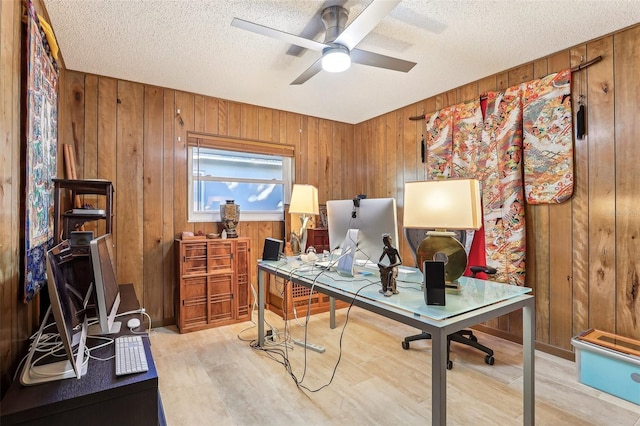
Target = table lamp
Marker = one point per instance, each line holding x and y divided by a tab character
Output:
304	201
443	205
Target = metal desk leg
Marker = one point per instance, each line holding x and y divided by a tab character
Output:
528	342
438	378
261	278
332	312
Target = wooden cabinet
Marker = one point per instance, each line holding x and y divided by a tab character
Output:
318	238
213	277
291	300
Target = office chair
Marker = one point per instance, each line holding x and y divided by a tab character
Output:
466	337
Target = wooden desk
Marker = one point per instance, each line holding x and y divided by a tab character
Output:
98	397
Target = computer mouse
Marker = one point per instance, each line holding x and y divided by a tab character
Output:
133	323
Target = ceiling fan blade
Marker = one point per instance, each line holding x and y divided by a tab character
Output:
308	73
381	61
365	22
277	34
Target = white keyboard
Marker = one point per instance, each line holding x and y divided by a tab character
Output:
130	356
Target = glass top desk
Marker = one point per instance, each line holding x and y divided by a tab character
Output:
478	301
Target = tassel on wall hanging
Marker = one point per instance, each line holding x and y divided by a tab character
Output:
580	115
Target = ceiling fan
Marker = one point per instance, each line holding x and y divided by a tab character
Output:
339	46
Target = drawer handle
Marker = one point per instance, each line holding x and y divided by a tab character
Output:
635	377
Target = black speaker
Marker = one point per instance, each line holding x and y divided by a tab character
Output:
434	289
272	249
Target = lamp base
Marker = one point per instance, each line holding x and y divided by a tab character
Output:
442	246
453	288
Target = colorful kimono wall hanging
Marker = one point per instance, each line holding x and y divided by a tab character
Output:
500	172
467	133
548	141
438	138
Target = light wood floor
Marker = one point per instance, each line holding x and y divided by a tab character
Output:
213	377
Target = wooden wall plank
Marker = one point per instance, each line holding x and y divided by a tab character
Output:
249	121
129	154
168	221
303	150
223	117
560	259
467	92
234	119
74	103
312	156
627	115
152	189
580	213
198	113
90	162
183	102
324	160
211	115
90	143
106	141
265	124
537	259
15	316
601	232
392	158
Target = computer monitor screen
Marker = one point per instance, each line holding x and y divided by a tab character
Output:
372	218
106	286
69	311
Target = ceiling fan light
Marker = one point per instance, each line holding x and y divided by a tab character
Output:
336	59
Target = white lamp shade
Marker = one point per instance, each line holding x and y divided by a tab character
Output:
304	200
443	204
336	59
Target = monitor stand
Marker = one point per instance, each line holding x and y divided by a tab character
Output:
95	330
34	373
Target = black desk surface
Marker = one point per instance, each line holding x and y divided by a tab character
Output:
98	397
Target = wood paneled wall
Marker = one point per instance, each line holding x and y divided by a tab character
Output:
15	316
136	136
582	254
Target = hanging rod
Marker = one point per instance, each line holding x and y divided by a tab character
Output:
574	69
586	64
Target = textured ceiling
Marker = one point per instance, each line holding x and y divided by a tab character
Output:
190	45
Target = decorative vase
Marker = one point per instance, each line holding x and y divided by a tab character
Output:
230	215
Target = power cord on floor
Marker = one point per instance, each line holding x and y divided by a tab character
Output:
282	356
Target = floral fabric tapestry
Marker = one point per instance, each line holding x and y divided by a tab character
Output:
41	165
548	141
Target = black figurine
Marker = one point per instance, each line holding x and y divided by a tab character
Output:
389	272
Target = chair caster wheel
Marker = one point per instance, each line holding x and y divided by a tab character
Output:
489	359
449	365
405	345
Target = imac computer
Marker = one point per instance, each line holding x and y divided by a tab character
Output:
48	362
106	286
372	217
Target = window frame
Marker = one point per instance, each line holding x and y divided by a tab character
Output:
201	140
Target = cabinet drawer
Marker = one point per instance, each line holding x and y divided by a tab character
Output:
194	258
220	257
193	312
194	287
221	284
221	307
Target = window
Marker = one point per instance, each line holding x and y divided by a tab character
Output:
259	182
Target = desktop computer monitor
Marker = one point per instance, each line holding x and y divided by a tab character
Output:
372	217
68	306
106	286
